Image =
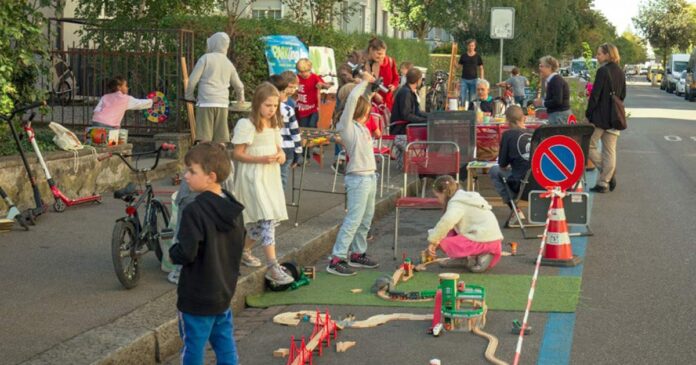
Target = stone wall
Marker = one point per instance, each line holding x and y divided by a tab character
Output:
76	176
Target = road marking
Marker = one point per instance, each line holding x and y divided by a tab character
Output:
557	343
673	138
693	138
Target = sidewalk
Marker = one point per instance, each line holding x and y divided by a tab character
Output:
67	306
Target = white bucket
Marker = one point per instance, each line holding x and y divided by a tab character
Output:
452	105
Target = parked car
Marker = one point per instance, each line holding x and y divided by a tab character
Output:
676	64
643	71
680	89
655	72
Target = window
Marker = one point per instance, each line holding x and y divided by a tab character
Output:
266	13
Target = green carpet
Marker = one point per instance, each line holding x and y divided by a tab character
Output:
504	292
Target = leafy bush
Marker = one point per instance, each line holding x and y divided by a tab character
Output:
247	49
8	147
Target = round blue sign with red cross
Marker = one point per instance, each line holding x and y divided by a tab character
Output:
558	161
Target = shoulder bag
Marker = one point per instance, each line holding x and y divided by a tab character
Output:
618	112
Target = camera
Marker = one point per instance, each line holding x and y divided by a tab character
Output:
378	85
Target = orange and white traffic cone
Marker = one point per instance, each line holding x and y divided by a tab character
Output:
558	250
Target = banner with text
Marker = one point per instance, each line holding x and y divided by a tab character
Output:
282	52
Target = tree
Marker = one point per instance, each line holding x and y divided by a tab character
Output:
667	24
420	16
631	48
23	51
322	13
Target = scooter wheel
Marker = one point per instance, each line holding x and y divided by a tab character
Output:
59	206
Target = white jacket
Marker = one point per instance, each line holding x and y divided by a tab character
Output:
470	215
214	73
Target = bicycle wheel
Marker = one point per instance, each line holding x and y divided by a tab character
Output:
64	92
123	254
159	220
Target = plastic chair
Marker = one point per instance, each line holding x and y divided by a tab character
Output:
439	158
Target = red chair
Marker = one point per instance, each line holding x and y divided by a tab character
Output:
425	158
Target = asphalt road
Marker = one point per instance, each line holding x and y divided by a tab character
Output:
638	295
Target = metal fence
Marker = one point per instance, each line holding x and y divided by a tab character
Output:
149	59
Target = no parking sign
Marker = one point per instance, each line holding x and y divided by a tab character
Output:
558	161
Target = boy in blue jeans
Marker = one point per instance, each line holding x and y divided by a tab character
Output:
209	248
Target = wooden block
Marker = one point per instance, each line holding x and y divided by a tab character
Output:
281	352
342	346
309	272
356	291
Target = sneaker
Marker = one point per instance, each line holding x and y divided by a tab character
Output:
278	276
464	262
250	260
600	189
173	276
362	260
482	263
339	267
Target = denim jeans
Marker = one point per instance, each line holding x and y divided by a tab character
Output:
309	121
497	174
519	100
196	330
468	90
352	236
559	118
285	168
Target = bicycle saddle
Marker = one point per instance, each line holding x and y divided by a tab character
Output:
126	192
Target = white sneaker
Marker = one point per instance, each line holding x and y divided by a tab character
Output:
248	259
278	276
173	276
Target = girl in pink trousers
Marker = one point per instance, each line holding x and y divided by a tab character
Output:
468	229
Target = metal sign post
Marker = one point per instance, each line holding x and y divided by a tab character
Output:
502	27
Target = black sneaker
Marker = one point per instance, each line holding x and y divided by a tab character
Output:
340	267
362	260
339	167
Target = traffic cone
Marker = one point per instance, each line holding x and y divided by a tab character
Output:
558	250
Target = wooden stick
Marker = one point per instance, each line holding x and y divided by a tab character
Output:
189	105
281	352
342	346
451	92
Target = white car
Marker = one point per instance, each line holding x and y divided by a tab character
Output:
680	88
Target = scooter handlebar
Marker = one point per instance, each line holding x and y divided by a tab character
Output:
29	107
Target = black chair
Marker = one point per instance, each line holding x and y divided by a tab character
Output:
581	133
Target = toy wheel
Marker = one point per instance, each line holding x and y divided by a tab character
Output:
291	269
59	206
123	254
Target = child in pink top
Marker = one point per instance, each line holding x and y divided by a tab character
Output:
112	106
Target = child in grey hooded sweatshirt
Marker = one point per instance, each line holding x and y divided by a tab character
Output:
214	73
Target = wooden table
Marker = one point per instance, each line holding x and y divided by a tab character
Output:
473	168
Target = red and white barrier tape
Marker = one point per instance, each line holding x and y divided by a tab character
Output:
530	297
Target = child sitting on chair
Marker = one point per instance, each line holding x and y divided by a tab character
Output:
468	229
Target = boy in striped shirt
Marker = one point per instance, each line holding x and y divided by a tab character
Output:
292	140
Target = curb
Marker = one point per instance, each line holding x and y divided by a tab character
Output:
150	334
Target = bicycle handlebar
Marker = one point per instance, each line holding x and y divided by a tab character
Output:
157	152
25	108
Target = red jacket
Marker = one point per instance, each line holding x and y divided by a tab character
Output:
390	77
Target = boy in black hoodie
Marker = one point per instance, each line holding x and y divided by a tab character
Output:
210	243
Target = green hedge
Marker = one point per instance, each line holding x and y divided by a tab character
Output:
247	49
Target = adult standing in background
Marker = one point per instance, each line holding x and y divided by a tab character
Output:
376	62
599	112
472	70
557	100
517	82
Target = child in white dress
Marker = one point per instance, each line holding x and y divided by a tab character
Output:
259	155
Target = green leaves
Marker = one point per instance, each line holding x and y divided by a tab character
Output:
667	24
23	49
